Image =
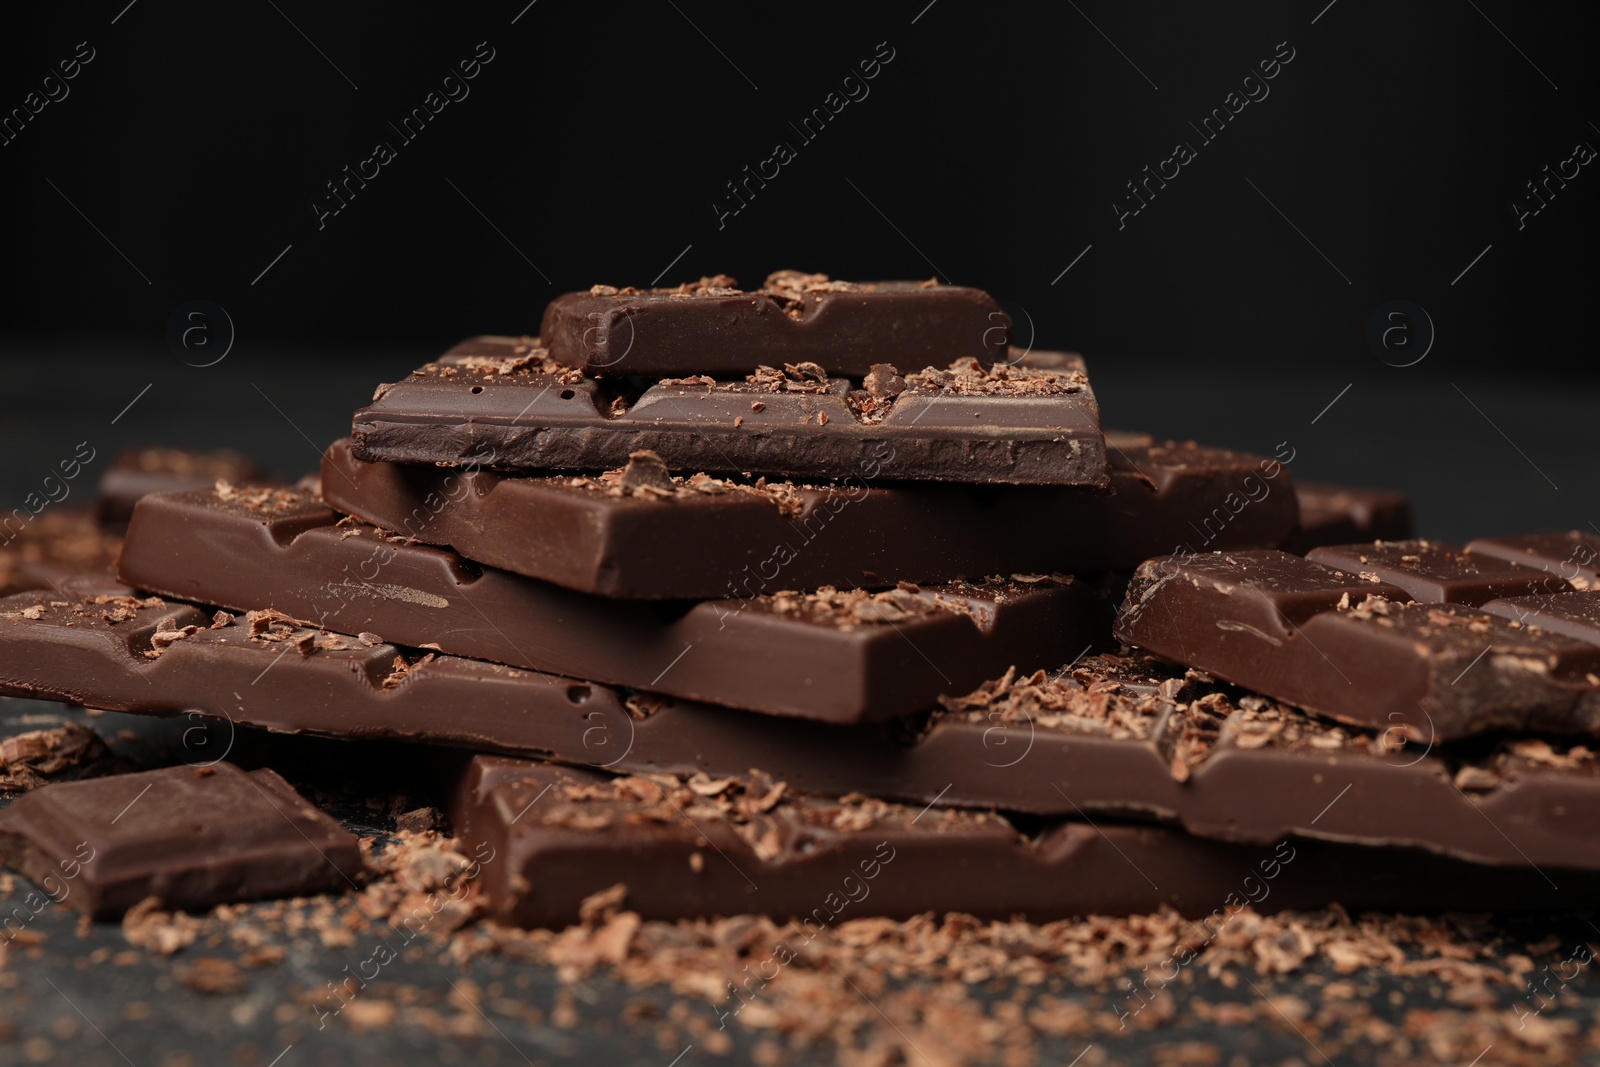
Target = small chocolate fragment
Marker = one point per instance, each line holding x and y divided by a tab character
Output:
190	837
701	848
1346	644
1345	514
843	656
703	536
139	471
967	423
645	471
712	327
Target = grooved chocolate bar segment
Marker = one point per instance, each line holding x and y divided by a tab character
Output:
1346	514
622	534
1110	735
701	849
141	471
841	656
1436	572
1351	648
964	424
192	837
712	327
1567	557
1575	615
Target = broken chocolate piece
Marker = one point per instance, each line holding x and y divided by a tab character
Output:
1436	572
1567	557
1348	645
712	327
717	537
968	424
189	837
696	849
140	471
1345	514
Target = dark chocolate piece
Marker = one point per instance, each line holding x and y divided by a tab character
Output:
711	327
841	656
1352	647
1345	514
704	848
1436	573
1567	557
964	424
53	548
192	837
140	471
712	537
1111	735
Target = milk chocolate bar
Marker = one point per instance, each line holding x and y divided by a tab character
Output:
1109	735
673	849
1347	514
139	471
485	406
842	656
712	327
640	532
191	837
1392	637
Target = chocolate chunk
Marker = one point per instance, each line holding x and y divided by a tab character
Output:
190	837
703	536
816	655
1436	572
672	849
1345	514
1005	425
883	382
712	327
139	471
645	471
1352	647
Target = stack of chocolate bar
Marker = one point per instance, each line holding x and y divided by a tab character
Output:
741	598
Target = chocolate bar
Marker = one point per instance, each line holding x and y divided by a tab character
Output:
139	471
554	837
492	406
712	327
191	837
841	656
1359	643
1107	736
640	532
1347	514
58	544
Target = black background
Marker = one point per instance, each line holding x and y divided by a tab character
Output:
989	152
